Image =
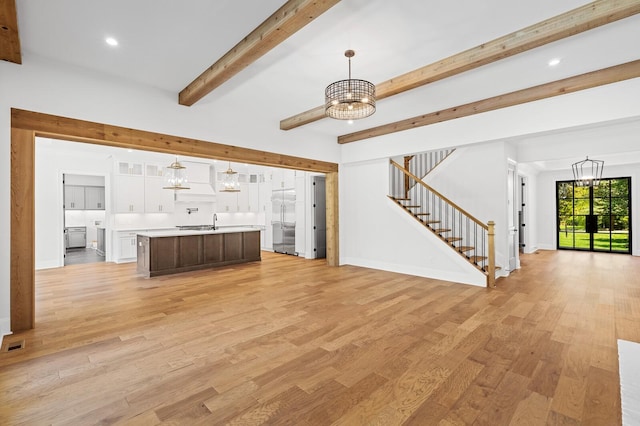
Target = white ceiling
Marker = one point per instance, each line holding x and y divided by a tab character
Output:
167	43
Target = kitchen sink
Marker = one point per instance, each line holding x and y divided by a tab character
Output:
196	228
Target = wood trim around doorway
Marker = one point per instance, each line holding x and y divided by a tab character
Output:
27	125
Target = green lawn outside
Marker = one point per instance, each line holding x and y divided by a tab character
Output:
619	241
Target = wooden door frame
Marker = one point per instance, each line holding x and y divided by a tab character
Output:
27	125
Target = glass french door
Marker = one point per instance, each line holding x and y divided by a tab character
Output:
595	218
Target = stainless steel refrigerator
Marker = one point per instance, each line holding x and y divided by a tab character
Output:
284	220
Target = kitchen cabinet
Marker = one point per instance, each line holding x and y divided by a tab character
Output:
162	253
94	197
73	197
253	198
129	168
129	194
191	251
156	198
247	200
154	170
78	197
226	202
101	247
283	179
127	250
243	197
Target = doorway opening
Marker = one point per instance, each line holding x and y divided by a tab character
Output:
594	218
83	204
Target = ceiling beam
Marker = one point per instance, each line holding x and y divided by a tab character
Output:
286	21
601	77
575	21
70	129
9	36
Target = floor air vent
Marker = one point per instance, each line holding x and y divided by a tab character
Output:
14	346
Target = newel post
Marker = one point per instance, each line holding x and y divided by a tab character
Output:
491	267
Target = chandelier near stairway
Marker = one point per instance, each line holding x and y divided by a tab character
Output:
587	172
350	99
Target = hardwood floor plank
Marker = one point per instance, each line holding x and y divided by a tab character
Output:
569	397
292	341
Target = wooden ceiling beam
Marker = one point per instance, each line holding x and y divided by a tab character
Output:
575	21
70	129
9	36
286	21
601	77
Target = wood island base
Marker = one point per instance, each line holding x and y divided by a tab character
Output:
163	253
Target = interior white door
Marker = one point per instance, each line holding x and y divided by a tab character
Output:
512	217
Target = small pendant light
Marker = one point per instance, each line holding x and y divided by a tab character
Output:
176	176
230	181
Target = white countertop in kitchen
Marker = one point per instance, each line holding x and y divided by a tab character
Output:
141	229
178	232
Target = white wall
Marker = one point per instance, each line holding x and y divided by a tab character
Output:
475	178
375	233
51	164
546	203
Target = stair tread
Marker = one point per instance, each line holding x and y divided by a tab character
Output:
401	199
422	214
440	230
477	258
430	221
410	207
497	268
465	248
452	239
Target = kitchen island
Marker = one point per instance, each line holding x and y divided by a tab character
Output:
173	251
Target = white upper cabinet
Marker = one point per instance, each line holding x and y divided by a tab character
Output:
94	197
73	197
129	194
283	179
156	198
130	168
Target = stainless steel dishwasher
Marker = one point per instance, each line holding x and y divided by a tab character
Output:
76	237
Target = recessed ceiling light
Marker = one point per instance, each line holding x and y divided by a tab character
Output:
554	62
111	41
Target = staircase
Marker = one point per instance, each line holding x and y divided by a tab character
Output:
462	232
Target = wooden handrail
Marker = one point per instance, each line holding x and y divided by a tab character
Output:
411	175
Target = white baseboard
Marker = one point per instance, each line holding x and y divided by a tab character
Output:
49	264
5	328
456	277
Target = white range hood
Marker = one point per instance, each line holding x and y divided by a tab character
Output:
199	182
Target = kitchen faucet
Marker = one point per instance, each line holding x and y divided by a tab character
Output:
215	217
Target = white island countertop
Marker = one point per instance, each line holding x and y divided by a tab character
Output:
181	232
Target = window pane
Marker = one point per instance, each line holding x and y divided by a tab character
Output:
581	192
602	190
620	188
581	206
600	206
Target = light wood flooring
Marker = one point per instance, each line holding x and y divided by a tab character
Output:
292	341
